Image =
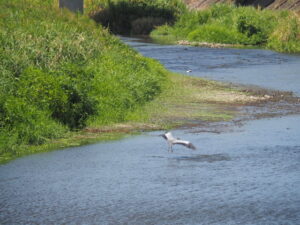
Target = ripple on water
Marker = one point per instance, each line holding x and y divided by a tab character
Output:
244	176
204	158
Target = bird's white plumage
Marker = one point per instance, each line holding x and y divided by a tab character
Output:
172	141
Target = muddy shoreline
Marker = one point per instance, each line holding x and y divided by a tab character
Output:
273	104
211	45
266	103
205	111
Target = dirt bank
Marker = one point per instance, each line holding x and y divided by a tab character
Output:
270	4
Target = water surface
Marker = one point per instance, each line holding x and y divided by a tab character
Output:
245	66
248	174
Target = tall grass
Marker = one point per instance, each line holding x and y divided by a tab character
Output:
60	71
224	23
134	16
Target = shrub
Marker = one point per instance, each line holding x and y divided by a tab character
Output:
127	17
145	25
286	36
29	124
60	71
226	23
214	34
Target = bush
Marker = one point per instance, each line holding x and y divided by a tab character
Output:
29	124
60	71
224	23
133	17
145	25
286	36
214	34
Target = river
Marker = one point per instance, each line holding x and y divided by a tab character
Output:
248	174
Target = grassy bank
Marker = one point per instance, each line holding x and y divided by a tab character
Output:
229	24
65	81
60	72
183	101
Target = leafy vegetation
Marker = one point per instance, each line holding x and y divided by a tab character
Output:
134	16
229	24
60	72
62	76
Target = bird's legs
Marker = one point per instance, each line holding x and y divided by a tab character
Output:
170	149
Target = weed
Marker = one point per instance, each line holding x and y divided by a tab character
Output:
60	71
229	24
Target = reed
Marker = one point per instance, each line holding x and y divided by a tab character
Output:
230	24
60	71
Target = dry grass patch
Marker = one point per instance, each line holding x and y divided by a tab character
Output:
186	100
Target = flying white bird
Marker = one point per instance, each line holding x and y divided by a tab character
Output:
172	141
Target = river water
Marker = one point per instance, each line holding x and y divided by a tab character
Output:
248	174
241	66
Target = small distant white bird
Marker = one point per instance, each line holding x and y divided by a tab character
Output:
188	71
172	141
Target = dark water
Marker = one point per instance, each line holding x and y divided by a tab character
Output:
248	174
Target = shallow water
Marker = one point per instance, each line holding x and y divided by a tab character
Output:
244	66
248	174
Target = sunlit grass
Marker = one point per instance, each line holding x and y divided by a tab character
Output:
229	24
59	71
65	81
183	100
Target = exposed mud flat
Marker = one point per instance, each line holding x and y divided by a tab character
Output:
249	102
258	103
207	44
276	104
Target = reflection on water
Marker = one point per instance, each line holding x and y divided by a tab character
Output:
247	175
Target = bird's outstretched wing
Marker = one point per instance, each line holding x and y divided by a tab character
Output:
185	143
191	146
164	136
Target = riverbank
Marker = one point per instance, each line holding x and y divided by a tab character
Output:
208	45
61	72
184	102
225	24
229	25
71	83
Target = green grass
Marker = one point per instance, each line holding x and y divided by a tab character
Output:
183	101
60	72
138	17
65	81
229	24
